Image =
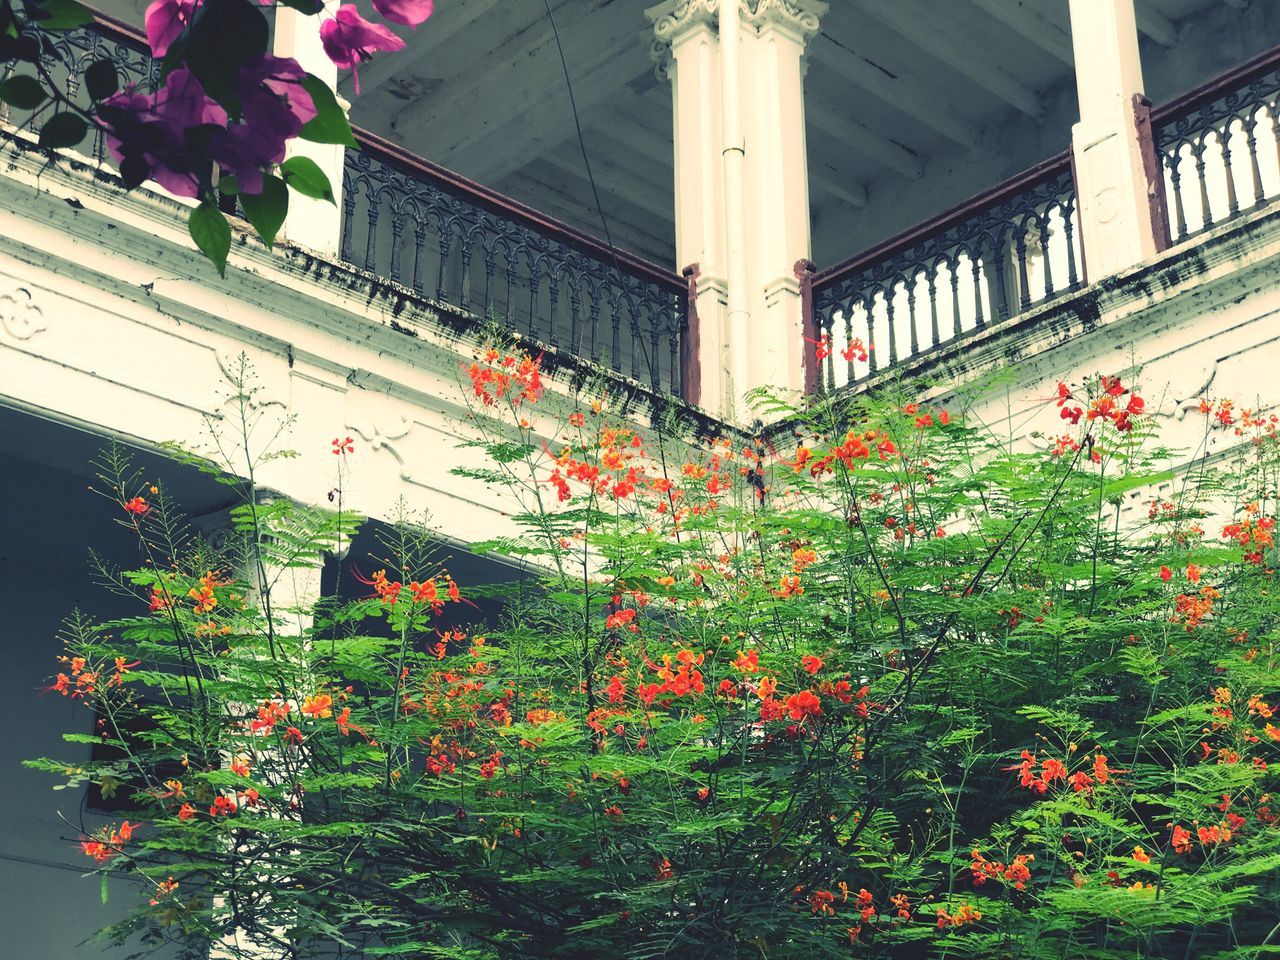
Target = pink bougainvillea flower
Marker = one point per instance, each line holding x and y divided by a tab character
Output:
147	134
165	20
349	39
409	12
270	90
274	106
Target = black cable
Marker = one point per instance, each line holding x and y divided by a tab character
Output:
637	339
582	143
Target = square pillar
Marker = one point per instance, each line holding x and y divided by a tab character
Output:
742	207
1118	177
316	224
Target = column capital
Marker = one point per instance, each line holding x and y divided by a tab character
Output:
800	18
676	20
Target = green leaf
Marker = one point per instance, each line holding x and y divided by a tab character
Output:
330	124
267	210
103	887
63	130
304	175
101	79
23	92
215	61
212	234
309	7
60	15
229	185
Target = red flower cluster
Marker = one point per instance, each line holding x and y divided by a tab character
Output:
511	377
855	350
137	506
1254	533
1017	872
108	843
1107	406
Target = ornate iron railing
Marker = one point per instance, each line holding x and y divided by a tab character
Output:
1220	146
990	259
480	252
452	240
67	57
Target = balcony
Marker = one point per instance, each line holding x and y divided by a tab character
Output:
476	256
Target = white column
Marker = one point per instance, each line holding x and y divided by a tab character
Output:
778	186
1118	176
316	224
687	49
742	196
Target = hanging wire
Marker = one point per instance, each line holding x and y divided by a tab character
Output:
636	338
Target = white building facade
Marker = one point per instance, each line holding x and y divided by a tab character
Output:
1144	244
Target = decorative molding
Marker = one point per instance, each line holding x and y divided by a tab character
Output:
672	21
382	433
20	315
802	18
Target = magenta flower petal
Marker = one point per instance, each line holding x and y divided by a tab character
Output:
269	85
409	12
349	39
165	20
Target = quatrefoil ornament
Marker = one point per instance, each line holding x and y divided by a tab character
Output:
20	316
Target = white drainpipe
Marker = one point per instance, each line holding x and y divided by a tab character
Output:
733	157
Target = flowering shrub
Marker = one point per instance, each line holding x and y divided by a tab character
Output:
892	691
223	107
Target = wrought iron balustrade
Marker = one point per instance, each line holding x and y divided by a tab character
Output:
67	57
990	259
450	239
469	247
1220	146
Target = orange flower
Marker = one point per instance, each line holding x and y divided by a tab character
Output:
748	662
240	766
163	890
1181	839
137	506
345	726
1140	855
319	707
812	664
186	812
1053	770
803	704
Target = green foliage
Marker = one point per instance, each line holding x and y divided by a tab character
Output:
896	693
212	234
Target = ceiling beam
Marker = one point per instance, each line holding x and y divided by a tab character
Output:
621	133
524	77
823	178
1156	25
858	136
546	123
546	190
1023	20
912	96
919	23
443	26
610	175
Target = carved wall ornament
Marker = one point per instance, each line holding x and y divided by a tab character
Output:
20	316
